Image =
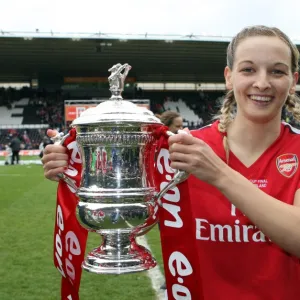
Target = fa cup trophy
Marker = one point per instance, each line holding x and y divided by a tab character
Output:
117	194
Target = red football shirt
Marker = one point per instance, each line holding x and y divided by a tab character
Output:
237	261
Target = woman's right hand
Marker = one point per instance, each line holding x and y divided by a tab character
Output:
55	159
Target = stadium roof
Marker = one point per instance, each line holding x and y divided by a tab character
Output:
154	59
151	60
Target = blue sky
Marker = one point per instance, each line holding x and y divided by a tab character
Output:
180	17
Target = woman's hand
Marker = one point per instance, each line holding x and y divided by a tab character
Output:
55	159
194	156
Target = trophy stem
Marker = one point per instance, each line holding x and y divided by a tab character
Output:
116	95
118	254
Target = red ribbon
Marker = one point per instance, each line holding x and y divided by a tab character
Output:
69	237
177	230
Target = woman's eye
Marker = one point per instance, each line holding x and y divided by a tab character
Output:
247	70
278	72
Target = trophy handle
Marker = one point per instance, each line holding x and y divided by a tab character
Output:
178	177
59	139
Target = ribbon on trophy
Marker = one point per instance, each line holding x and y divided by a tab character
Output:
69	237
181	262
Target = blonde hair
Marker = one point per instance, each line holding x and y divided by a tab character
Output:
292	103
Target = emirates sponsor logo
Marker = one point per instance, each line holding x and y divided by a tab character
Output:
229	233
236	233
287	164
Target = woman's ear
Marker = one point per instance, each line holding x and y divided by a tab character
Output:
228	78
295	80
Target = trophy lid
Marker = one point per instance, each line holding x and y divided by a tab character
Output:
117	110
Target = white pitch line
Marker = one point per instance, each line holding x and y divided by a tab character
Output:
24	162
155	275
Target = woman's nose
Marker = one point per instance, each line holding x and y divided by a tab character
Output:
262	81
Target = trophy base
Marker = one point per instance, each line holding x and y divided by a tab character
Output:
100	262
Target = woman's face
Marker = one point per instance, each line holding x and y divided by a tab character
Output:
261	78
176	125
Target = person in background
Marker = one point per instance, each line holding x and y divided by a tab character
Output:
173	120
15	146
8	155
46	141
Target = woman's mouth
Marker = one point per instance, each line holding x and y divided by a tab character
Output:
260	99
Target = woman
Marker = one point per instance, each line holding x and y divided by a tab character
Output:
173	120
245	180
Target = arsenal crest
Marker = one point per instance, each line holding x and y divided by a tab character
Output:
287	164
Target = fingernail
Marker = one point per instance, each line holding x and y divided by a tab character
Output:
51	133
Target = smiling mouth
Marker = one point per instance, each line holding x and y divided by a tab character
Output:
262	99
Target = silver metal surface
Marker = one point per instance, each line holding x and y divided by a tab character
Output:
117	194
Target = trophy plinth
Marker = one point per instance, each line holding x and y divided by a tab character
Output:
115	257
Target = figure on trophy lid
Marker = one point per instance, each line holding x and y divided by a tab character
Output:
117	78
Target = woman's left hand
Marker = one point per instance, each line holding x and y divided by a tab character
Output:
194	156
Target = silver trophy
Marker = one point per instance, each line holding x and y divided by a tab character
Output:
117	194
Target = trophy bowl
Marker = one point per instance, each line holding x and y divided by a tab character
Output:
117	194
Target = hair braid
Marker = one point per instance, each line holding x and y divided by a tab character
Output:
226	117
292	105
226	111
